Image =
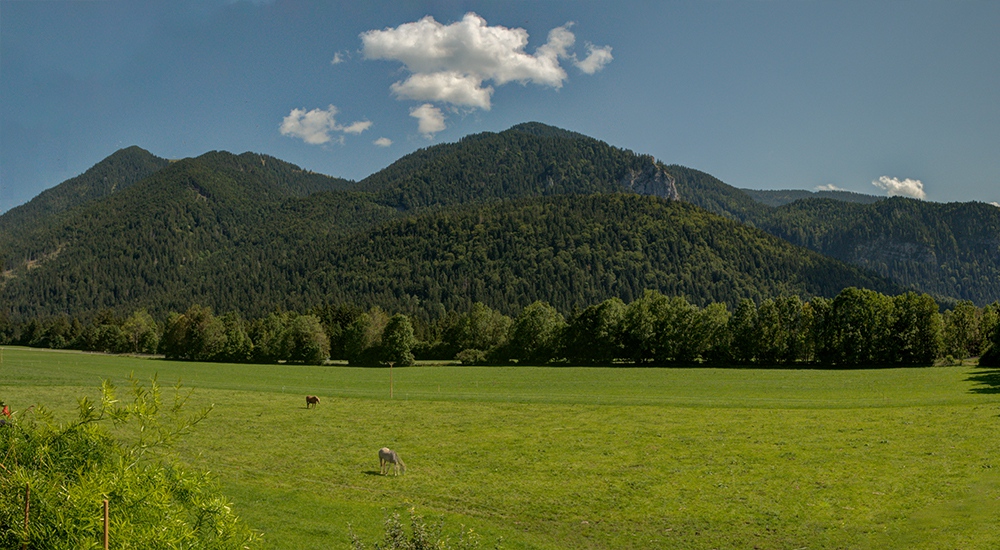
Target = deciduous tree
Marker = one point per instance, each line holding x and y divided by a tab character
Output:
961	330
536	333
595	335
917	329
141	332
397	340
304	340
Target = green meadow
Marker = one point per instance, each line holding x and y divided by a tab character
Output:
581	457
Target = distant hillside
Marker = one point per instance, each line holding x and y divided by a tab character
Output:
947	250
504	218
572	251
951	251
781	198
147	246
117	172
712	194
530	213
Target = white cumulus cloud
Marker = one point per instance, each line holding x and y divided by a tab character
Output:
447	87
997	204
461	63
317	126
431	120
383	142
902	188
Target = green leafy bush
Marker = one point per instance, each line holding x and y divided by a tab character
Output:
68	469
471	357
421	536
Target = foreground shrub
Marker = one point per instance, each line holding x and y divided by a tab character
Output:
72	468
421	536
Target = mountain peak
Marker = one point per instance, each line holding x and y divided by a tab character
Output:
117	171
544	130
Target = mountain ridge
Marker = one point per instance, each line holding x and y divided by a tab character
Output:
528	159
117	171
962	236
250	232
781	197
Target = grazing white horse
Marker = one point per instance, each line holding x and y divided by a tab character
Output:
387	456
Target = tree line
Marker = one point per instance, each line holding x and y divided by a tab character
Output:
857	328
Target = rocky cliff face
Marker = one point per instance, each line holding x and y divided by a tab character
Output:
652	179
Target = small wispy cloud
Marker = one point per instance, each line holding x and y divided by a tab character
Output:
337	59
597	58
430	119
318	126
828	187
902	188
383	142
357	127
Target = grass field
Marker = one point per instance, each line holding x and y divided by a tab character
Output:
584	457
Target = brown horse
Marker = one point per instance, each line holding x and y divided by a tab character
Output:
387	456
311	400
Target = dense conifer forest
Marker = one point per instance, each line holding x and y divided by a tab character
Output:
951	251
534	214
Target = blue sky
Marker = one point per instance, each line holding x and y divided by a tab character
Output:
767	95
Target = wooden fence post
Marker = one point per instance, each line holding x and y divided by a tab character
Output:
105	524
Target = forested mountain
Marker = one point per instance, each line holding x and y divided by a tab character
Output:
527	160
571	251
115	173
151	244
782	197
531	213
946	250
951	251
712	194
